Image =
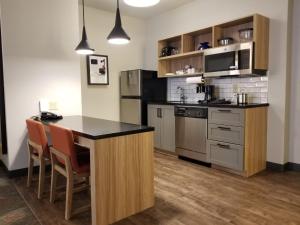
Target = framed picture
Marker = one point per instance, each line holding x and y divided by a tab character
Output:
97	70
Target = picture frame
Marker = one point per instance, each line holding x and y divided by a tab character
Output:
97	69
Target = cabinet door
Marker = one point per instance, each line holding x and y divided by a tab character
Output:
227	155
154	120
168	129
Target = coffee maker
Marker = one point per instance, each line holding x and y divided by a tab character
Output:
208	91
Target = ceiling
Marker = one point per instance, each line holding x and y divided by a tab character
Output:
143	13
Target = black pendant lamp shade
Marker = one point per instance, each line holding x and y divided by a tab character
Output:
84	48
118	36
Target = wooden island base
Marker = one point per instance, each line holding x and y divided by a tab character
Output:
122	176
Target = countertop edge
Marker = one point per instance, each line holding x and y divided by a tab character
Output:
246	106
118	134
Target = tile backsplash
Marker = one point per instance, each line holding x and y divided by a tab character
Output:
255	87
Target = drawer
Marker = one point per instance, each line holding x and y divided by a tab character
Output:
226	116
227	155
230	134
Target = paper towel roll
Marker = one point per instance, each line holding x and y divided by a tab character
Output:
194	80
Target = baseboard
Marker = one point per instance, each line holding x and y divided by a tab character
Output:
283	167
276	167
293	166
3	166
21	172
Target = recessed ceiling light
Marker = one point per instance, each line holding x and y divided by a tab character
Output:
141	3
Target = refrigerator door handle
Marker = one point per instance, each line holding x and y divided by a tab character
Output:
159	113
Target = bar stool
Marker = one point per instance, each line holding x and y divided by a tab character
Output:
38	150
70	160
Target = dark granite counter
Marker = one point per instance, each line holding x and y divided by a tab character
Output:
244	106
93	128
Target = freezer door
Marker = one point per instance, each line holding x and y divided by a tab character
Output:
131	111
131	83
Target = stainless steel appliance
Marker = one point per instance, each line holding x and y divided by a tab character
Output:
138	87
231	60
191	132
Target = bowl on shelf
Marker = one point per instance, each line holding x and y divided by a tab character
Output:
225	41
246	34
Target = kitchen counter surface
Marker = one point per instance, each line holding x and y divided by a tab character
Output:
94	129
233	105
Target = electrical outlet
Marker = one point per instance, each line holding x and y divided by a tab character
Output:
53	105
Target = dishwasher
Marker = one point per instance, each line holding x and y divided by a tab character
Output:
191	132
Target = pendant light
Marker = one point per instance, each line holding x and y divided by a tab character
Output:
84	48
141	3
118	36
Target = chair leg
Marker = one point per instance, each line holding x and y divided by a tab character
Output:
41	178
30	171
53	184
69	197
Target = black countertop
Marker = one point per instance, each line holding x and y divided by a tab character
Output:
244	106
93	128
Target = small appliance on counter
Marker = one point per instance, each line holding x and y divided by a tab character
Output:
242	98
138	87
208	92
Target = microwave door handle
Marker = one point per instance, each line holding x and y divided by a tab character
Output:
236	62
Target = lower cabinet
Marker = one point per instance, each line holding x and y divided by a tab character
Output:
162	118
228	155
237	139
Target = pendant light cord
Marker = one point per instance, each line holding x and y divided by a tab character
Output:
117	3
83	12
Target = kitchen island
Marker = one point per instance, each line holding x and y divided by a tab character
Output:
121	159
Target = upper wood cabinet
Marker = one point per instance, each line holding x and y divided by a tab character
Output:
187	45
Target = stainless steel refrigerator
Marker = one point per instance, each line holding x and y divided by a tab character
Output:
138	88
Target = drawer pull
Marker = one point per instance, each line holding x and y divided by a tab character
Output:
225	128
225	110
224	146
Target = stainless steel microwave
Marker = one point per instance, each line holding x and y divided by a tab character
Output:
231	60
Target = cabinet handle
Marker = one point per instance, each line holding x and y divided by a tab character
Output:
224	146
160	113
225	110
225	128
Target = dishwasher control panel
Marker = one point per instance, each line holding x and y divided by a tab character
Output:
193	112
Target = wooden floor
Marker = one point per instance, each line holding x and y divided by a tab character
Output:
188	194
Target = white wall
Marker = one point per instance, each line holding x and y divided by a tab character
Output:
103	101
200	14
294	154
39	37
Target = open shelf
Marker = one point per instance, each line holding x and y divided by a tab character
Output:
192	40
182	55
183	75
231	29
175	42
188	43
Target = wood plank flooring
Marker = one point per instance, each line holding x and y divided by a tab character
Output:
13	210
188	194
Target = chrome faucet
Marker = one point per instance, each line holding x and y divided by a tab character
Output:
182	95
